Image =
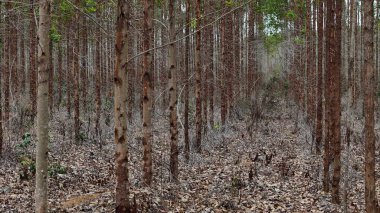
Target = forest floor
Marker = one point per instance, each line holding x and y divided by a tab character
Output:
272	171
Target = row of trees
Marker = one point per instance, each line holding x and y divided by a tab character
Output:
165	51
339	42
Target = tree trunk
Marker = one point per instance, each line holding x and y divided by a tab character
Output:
147	91
335	75
187	81
330	51
319	127
41	204
120	101
76	75
173	95
369	108
198	75
32	59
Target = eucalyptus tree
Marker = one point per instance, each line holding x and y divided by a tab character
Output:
198	74
369	109
147	91
335	65
187	81
173	94
120	103
41	204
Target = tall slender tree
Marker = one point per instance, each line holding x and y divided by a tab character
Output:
369	108
147	91
187	67
173	94
198	74
120	101
319	127
41	204
335	65
76	72
330	52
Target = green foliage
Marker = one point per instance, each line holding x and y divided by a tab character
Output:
82	136
290	15
229	3
26	141
56	169
271	42
90	6
66	9
286	85
216	126
378	94
237	183
27	163
275	13
298	40
54	34
193	23
159	3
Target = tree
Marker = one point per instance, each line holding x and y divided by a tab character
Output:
187	67
32	59
334	67
120	101
147	91
319	127
198	113
369	108
42	107
173	95
76	73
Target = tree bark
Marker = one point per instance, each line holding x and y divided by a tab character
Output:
335	64
120	101
319	127
173	95
369	108
147	91
32	59
187	81
198	74
41	204
76	74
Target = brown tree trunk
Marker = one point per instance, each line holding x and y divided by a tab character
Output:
319	130
32	60
83	68
60	75
120	101
351	62
147	91
198	74
41	202
187	81
335	114
69	50
222	71
330	51
210	37
3	53
229	62
173	95
8	63
76	74
98	78
369	108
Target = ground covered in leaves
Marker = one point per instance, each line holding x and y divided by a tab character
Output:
269	168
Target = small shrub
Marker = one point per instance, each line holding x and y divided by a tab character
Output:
56	169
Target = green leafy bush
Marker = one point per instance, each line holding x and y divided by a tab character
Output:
56	169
